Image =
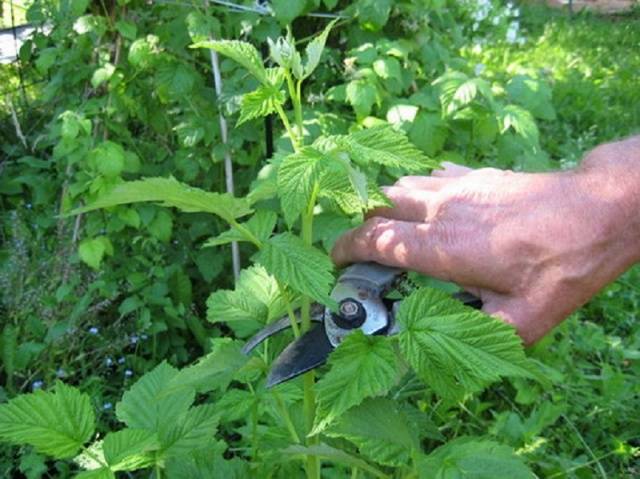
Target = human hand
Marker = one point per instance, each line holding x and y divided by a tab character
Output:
532	247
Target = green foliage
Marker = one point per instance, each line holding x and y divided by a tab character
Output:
325	451
362	366
260	226
170	192
390	89
93	250
298	178
242	52
56	423
213	371
304	268
256	297
147	406
261	102
452	346
384	146
381	430
473	458
128	449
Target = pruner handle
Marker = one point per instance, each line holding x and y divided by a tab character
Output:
468	299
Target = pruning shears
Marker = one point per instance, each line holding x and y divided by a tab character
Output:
360	294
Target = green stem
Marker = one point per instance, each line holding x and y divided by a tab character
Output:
292	316
309	396
158	471
295	92
307	237
285	415
254	431
94	457
297	108
287	126
309	406
246	233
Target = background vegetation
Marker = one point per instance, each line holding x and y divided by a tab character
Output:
99	299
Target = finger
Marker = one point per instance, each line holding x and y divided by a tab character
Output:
450	170
408	205
428	183
412	246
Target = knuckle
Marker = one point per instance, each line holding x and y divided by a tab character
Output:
404	182
490	171
373	233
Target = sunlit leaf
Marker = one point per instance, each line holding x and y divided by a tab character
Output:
361	366
147	404
129	449
452	346
315	48
57	423
241	52
255	297
170	192
304	268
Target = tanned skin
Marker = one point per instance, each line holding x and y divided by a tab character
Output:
533	246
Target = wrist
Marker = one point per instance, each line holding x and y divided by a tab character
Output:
609	184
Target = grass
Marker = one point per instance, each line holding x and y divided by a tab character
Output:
592	63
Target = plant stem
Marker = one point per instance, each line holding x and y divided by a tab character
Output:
94	457
296	98
287	126
309	398
285	415
292	316
246	233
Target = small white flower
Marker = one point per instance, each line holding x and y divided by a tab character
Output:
496	20
61	373
134	339
128	373
37	385
93	330
106	406
144	337
108	362
121	360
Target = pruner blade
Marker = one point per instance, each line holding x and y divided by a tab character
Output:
305	353
359	292
269	330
